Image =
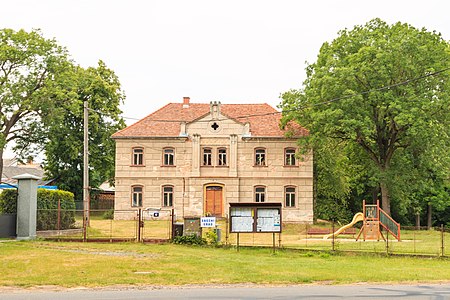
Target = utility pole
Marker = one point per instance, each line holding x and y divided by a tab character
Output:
86	167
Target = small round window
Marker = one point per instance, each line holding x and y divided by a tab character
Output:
214	126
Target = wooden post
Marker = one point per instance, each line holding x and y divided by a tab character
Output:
237	244
442	240
273	241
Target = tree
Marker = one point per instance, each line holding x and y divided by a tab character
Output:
64	149
381	91
29	64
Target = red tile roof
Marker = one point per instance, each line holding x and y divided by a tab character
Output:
264	120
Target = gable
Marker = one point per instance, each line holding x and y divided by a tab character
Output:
220	125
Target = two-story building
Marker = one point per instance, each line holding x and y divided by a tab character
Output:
197	158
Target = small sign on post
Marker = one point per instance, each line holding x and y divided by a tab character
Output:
208	222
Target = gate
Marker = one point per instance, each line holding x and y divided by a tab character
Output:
8	225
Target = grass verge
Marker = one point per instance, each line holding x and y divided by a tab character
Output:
34	263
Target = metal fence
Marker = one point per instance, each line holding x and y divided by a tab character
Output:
415	241
105	225
159	225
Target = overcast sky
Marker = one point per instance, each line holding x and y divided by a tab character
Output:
231	51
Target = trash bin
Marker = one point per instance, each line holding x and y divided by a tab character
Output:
219	234
177	229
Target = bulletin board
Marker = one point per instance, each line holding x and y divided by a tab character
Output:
255	217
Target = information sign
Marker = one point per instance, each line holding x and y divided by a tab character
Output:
243	219
268	220
208	222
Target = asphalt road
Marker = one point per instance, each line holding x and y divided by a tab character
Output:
363	291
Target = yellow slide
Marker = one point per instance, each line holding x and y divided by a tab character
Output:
356	218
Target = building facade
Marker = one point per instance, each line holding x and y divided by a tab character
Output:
196	158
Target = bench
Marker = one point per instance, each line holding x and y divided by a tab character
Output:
349	231
318	231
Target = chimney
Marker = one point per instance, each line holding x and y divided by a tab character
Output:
186	102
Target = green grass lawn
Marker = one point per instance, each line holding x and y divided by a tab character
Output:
89	264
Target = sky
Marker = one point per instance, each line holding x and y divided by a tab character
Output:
231	51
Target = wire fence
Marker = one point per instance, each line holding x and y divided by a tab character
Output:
414	241
161	226
105	225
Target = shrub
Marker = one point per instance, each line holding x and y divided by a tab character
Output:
211	237
192	239
47	205
108	215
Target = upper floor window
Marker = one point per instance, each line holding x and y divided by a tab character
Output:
289	196
260	157
138	156
207	156
167	195
169	157
289	157
260	194
222	156
136	196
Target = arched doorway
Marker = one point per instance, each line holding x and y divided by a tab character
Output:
214	200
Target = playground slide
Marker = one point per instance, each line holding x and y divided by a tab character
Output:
356	218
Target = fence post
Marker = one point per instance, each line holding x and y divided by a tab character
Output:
226	230
387	243
172	216
332	231
306	235
59	215
139	224
442	240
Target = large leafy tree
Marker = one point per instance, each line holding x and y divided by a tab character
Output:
380	92
101	88
29	65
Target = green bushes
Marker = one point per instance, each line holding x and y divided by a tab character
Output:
47	206
192	239
8	201
108	215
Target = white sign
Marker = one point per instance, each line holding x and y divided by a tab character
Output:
242	219
268	220
208	222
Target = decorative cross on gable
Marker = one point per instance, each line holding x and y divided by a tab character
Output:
214	126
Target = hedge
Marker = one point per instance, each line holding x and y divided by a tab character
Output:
47	205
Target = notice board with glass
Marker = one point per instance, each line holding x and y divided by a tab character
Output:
255	217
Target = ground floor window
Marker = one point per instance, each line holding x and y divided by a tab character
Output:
136	197
260	194
289	193
167	195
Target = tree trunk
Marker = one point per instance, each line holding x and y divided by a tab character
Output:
1	164
429	224
375	193
385	199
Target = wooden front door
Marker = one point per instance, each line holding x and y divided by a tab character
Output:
213	201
